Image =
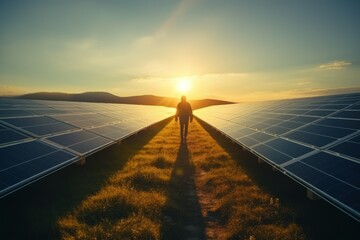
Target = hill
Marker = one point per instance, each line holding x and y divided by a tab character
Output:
104	97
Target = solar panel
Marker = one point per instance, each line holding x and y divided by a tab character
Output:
40	137
8	136
82	142
315	141
25	162
350	147
39	125
114	132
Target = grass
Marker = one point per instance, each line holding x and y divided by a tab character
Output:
241	209
167	190
153	187
130	204
318	219
34	211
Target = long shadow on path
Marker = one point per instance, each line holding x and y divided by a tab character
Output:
182	215
319	219
33	212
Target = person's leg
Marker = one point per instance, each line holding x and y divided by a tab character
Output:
186	129
181	130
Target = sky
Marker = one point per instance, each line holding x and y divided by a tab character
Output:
238	50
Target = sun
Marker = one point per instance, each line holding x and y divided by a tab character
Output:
183	85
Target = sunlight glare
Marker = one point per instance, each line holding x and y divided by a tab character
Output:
183	85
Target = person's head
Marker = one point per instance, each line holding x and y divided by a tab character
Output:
183	98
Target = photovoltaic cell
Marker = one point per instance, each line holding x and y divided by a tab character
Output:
8	136
289	124
356	106
290	148
341	123
327	131
277	130
39	126
110	131
5	113
271	154
309	138
325	184
315	140
261	137
40	137
341	168
242	132
82	141
319	113
333	106
348	114
248	141
349	148
23	162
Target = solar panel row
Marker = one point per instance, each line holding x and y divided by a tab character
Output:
315	140
40	137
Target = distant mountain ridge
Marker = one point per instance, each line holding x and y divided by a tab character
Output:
105	97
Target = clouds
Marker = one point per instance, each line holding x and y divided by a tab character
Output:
294	93
335	65
178	12
234	50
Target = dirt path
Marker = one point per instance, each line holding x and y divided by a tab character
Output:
153	187
172	190
200	220
187	212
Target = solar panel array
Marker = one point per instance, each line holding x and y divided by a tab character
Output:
315	141
40	137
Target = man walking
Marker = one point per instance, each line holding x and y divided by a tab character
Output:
184	113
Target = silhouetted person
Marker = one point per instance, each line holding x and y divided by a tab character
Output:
184	113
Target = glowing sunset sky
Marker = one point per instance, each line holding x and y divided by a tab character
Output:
234	50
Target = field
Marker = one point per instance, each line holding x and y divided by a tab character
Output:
153	187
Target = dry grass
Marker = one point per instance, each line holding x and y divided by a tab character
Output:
242	209
151	187
132	203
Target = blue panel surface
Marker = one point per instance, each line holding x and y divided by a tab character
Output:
341	123
348	114
39	137
348	196
25	162
39	126
8	135
111	131
82	141
277	130
327	131
315	139
349	148
272	154
320	113
290	148
309	138
247	141
341	168
6	113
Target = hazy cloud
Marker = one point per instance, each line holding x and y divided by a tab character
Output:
174	16
295	93
302	83
8	90
336	65
224	75
328	91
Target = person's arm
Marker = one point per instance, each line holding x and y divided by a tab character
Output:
191	113
177	113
